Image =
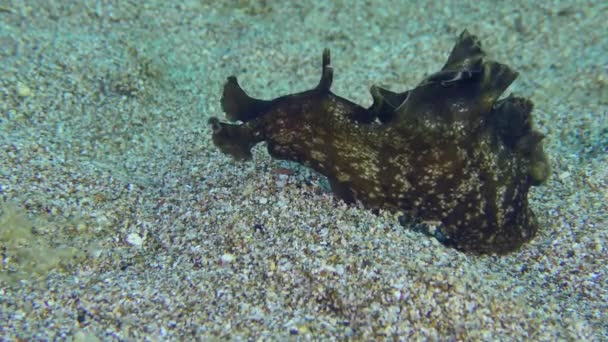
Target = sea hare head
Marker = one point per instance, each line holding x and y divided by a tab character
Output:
448	151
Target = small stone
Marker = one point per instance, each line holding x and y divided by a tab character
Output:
598	245
135	240
227	258
23	90
81	227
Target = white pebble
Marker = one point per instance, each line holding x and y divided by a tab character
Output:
23	90
227	258
135	240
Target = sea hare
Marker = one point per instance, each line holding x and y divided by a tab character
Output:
448	151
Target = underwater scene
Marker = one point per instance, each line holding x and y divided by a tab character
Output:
273	171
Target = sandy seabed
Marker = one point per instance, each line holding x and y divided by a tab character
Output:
121	221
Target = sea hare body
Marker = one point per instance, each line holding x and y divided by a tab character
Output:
447	151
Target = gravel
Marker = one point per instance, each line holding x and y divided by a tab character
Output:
120	221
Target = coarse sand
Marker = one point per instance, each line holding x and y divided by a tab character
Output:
119	220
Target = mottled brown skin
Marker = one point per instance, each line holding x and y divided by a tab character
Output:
446	151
